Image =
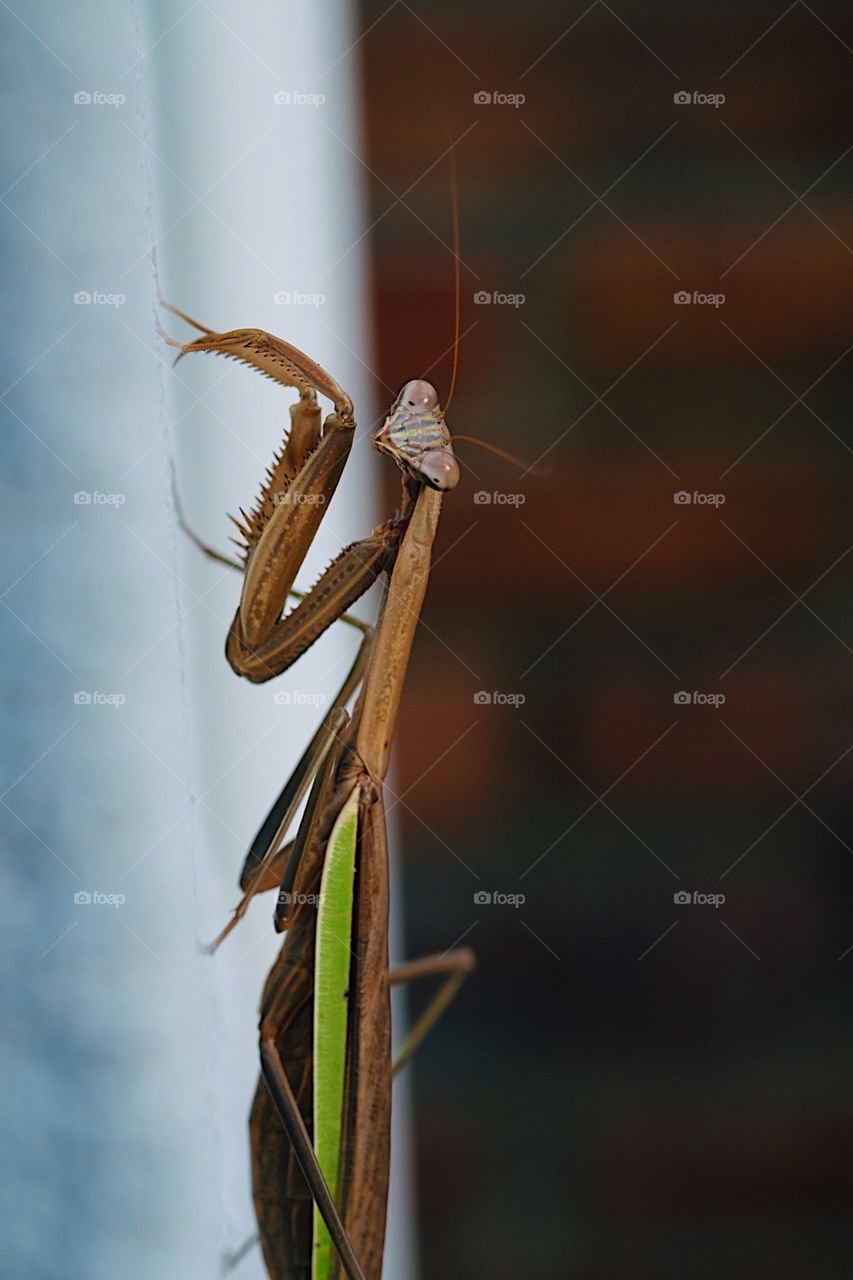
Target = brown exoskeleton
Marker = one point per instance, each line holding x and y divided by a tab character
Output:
344	767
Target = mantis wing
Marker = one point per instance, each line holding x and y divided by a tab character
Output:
333	959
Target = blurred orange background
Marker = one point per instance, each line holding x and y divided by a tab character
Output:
629	1086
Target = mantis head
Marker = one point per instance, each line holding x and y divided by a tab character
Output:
416	437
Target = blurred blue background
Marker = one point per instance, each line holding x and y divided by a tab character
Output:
137	768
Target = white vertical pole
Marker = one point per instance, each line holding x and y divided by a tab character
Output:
260	218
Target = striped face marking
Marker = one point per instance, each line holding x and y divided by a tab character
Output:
416	437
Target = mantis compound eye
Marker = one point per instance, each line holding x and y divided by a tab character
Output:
418	396
439	469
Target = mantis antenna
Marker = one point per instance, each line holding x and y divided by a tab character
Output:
457	277
457	324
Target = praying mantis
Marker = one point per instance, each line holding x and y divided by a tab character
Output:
320	1121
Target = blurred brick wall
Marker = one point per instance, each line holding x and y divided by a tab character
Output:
628	1087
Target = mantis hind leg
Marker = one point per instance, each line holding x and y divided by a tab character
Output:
454	967
294	1126
286	1171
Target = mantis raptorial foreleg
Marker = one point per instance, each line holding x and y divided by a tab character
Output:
219	557
293	500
